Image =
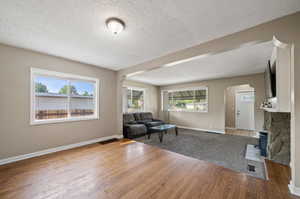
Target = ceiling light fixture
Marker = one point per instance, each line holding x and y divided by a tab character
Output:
115	25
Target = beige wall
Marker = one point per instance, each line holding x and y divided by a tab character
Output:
214	120
151	97
17	136
230	93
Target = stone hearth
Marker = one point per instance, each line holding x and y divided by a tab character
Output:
278	126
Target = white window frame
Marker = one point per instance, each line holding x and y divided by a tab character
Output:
187	89
144	95
34	72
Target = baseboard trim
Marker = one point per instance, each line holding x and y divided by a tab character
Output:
56	149
199	129
293	189
119	136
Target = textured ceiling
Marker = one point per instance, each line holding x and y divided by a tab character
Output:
75	29
242	61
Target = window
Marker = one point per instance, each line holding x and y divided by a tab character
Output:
59	97
193	100
135	100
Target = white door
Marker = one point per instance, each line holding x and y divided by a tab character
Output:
245	110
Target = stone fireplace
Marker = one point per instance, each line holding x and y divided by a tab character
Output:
278	127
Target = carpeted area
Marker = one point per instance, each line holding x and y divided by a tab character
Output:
224	150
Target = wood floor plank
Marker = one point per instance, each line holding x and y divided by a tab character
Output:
127	169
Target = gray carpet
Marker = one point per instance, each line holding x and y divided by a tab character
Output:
224	150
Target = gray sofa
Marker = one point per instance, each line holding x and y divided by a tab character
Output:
138	124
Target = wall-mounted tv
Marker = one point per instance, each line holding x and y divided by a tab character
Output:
270	80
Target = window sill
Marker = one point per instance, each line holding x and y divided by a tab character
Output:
135	111
187	111
62	120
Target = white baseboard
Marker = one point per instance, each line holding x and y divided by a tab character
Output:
118	136
206	130
293	189
56	149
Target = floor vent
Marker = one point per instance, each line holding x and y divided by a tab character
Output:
108	141
251	168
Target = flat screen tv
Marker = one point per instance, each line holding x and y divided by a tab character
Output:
270	80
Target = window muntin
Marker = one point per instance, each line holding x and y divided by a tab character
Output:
135	100
58	97
190	100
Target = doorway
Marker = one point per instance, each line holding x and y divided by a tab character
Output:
240	111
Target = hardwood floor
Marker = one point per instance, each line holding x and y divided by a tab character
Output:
126	169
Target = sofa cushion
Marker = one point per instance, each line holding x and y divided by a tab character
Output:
146	116
128	118
132	122
144	121
137	116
